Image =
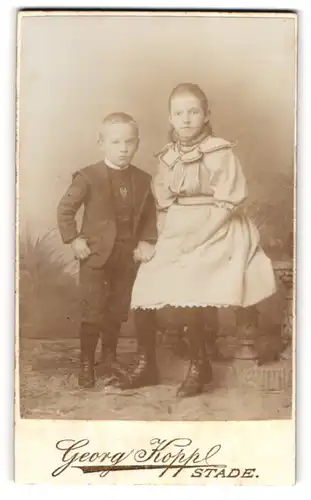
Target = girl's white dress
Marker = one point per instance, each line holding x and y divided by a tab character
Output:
208	251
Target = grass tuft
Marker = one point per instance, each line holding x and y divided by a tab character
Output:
48	295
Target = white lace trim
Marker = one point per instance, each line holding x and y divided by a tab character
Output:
224	204
177	305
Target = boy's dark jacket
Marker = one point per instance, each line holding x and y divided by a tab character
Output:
91	187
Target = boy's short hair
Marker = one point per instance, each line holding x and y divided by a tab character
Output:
118	117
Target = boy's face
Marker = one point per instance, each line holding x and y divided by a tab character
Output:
119	143
187	115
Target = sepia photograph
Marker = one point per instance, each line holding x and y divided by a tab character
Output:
156	217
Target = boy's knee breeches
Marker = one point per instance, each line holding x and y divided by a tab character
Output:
104	302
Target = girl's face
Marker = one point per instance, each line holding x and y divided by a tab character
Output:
187	115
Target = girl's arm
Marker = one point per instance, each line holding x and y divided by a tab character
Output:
163	196
230	190
162	199
161	216
147	228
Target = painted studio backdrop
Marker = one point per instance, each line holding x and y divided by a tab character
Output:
75	70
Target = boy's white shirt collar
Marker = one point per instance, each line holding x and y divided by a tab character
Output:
114	167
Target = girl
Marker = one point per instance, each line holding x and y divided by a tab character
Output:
208	252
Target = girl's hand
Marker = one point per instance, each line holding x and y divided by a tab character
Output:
80	249
143	252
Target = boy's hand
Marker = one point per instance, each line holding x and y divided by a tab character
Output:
143	252
80	249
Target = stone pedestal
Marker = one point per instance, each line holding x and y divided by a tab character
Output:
284	272
246	331
243	369
273	376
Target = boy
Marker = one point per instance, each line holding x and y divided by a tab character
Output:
119	225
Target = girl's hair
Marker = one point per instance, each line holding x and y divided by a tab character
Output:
196	91
190	88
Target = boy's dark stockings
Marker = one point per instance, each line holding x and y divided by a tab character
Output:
107	365
89	335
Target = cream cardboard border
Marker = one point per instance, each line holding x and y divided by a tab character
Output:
267	446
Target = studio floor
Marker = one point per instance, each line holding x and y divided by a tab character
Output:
49	390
